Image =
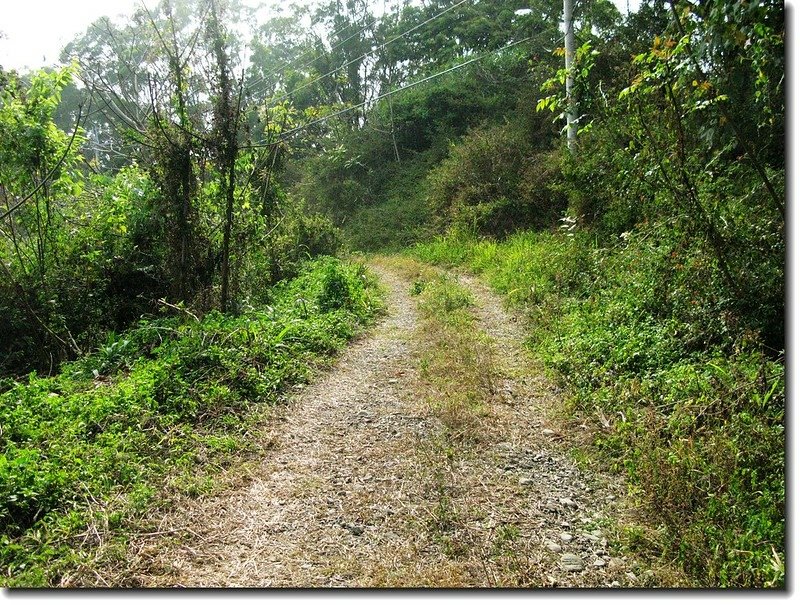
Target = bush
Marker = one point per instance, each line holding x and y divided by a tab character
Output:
108	272
482	185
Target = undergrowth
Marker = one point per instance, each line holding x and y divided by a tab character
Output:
115	433
686	400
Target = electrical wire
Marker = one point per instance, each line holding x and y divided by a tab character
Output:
293	131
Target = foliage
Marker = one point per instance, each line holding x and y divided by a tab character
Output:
492	183
38	179
141	412
585	57
88	254
401	217
680	150
372	188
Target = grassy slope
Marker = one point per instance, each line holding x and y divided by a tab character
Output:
698	426
152	414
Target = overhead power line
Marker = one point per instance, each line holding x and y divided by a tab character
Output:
365	55
285	136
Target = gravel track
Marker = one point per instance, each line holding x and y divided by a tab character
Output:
353	490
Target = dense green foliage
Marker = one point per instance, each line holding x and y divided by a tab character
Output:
403	177
97	443
92	253
494	183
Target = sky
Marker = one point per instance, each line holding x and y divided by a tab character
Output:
35	31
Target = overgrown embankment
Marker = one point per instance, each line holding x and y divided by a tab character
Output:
686	404
153	413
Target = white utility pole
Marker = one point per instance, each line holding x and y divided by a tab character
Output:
569	60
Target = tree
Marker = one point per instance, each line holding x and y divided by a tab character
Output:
227	111
155	76
38	175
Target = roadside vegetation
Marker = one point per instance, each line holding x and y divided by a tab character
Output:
155	412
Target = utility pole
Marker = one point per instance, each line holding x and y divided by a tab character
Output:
569	60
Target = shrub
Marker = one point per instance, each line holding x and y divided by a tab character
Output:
481	185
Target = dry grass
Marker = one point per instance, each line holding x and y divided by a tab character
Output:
456	358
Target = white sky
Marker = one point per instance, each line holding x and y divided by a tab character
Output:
35	31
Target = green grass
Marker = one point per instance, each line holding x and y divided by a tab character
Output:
114	434
684	398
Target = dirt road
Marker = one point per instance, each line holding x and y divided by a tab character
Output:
358	489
